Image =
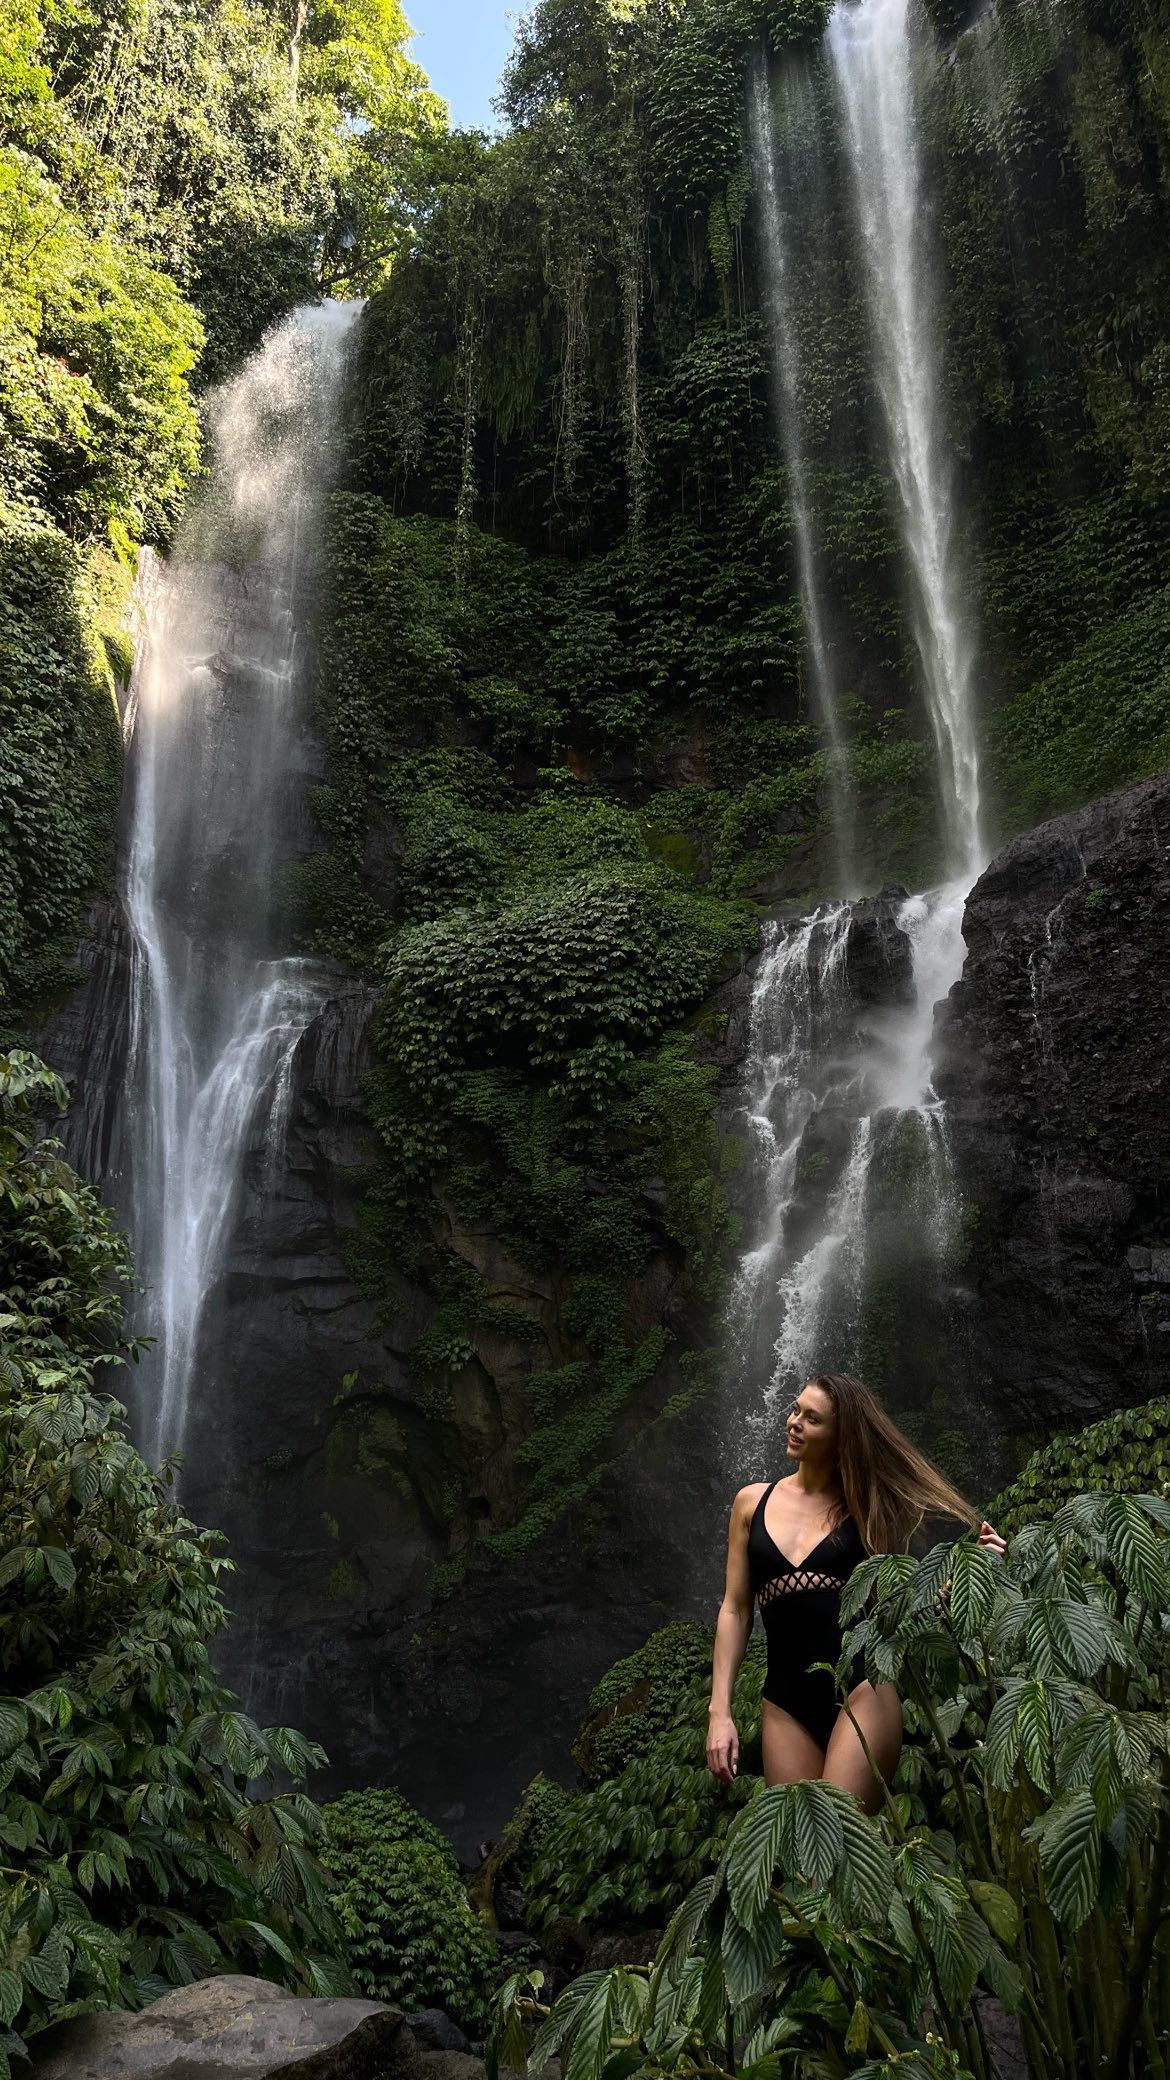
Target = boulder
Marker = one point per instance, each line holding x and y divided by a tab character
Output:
435	2031
452	2065
235	2029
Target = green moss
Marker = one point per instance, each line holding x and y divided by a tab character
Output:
344	1582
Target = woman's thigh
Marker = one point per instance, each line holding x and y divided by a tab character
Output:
879	1715
790	1751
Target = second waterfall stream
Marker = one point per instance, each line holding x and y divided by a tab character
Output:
220	756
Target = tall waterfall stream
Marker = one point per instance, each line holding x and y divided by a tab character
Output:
838	1105
220	755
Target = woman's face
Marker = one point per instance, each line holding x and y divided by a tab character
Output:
812	1427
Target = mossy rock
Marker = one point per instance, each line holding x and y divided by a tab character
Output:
639	1697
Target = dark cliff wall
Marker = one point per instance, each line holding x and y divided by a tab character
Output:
1058	1080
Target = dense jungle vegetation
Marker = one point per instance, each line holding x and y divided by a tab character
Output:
173	177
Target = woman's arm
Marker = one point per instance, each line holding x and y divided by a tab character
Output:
732	1632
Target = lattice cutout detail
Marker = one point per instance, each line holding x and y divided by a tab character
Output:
792	1584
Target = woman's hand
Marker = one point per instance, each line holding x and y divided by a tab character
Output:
989	1537
722	1747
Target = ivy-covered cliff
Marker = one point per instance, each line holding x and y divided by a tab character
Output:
563	663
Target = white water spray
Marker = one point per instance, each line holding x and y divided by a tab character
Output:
220	757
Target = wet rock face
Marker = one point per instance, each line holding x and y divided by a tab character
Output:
342	1489
1057	1075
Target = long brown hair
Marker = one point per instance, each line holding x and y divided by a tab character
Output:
890	1487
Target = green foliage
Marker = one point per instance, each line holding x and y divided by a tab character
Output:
412	1936
1022	1855
172	179
1127	1453
631	1847
96	418
637	1699
60	756
214	151
361	1818
542	1807
1099	718
563	984
146	1842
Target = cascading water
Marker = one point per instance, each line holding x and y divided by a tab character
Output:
848	1140
777	262
872	53
220	757
852	1175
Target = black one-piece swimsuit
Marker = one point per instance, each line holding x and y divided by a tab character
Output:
801	1610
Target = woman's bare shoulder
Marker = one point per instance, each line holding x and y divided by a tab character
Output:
747	1497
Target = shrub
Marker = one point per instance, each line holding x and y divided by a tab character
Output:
631	1848
542	1807
1128	1453
384	1816
412	1935
564	981
145	1843
60	756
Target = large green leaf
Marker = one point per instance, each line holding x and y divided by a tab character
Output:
593	2029
1069	1841
561	2019
973	1591
866	1874
764	1840
750	1956
818	1835
1136	1550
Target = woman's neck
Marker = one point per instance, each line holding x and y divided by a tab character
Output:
818	1480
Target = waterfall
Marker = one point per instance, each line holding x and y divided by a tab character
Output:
797	1003
852	1185
872	56
219	762
847	1136
777	263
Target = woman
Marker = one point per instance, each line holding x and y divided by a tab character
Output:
860	1487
